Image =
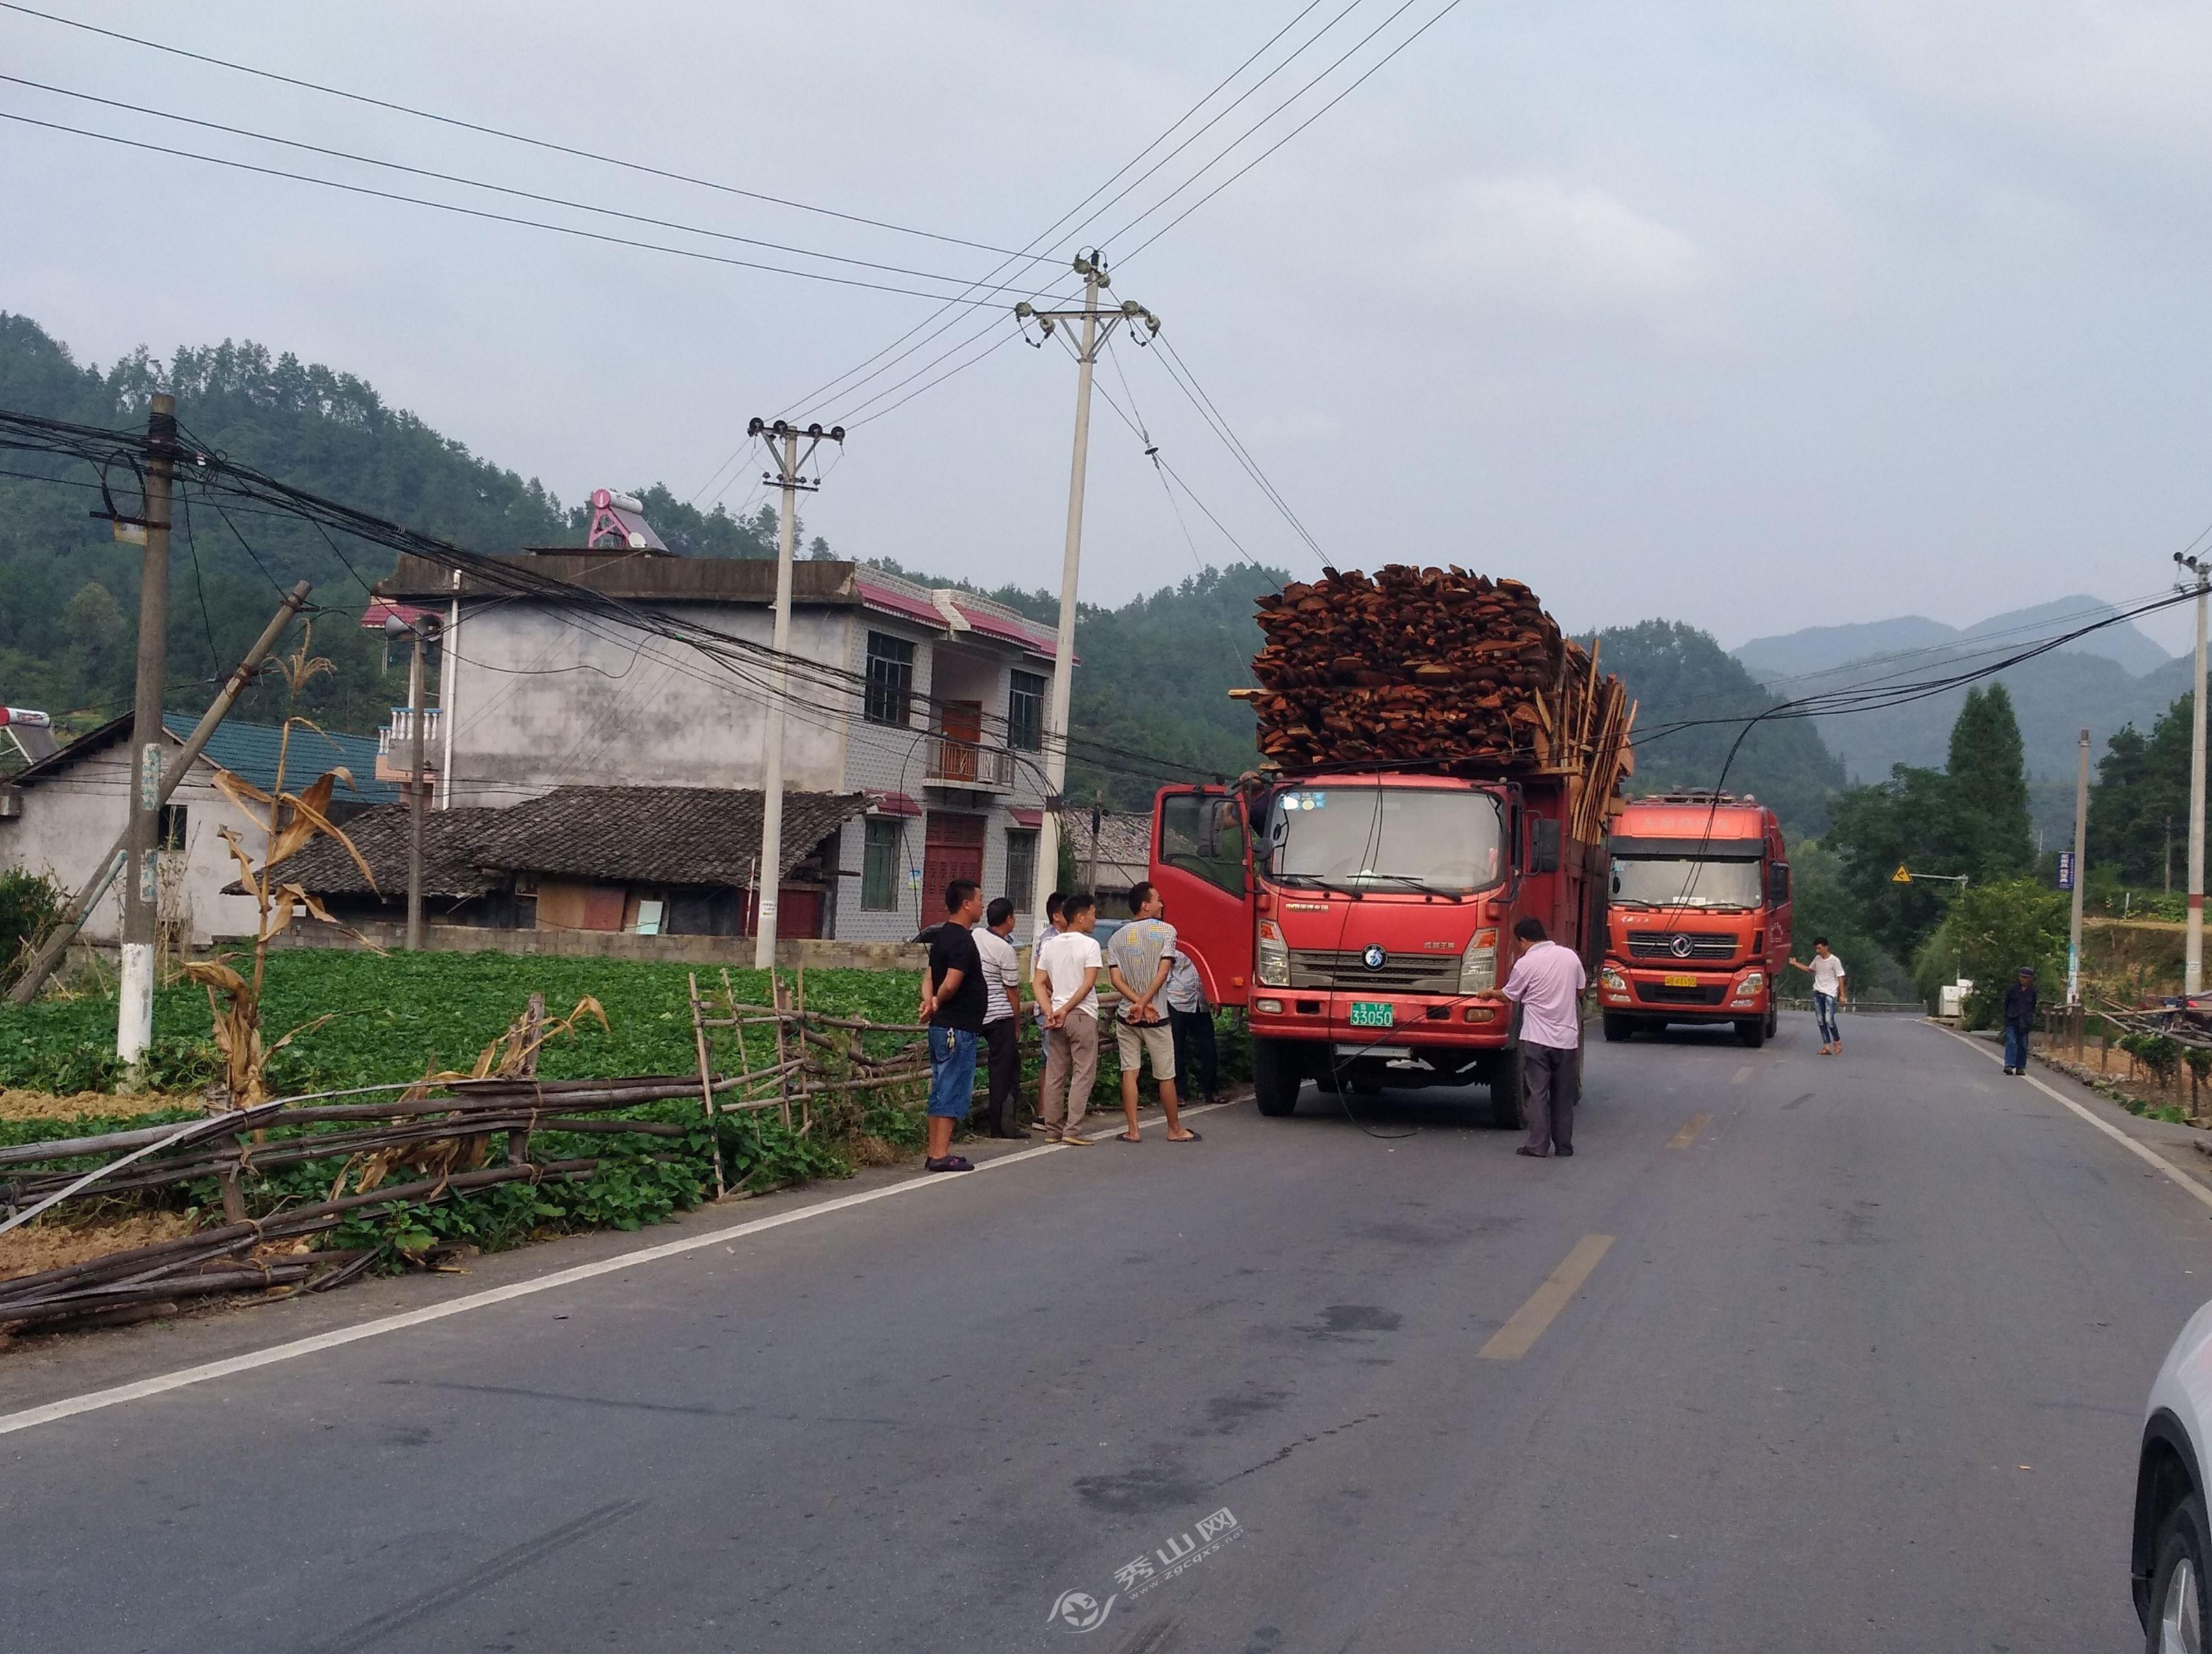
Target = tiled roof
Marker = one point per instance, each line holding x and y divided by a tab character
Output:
1124	838
661	835
248	750
454	842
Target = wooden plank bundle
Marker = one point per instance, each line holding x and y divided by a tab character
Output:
1434	669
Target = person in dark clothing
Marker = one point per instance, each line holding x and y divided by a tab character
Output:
2019	1018
1002	1019
953	1002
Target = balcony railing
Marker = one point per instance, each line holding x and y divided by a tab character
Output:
957	763
395	743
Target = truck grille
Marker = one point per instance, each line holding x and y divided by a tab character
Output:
1402	973
1656	993
1660	944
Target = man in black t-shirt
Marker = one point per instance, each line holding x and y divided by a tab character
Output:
952	1003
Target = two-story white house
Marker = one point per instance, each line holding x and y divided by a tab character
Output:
928	702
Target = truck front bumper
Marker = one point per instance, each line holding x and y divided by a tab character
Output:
1445	1024
1685	996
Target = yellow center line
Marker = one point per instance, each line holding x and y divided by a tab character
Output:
1688	1134
1742	1075
1519	1335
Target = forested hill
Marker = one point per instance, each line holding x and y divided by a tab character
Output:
1150	695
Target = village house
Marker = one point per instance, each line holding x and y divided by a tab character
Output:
919	710
58	816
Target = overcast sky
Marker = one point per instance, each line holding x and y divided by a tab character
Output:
1745	314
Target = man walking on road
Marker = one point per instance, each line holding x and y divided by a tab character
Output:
953	1002
1066	981
1002	1016
1138	960
2019	1018
1828	974
1547	984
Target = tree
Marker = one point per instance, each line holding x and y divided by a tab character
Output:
1990	931
2142	787
1821	904
1905	822
1988	802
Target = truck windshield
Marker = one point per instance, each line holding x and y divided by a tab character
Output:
1683	881
1412	839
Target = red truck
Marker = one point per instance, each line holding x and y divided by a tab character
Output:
1354	916
1698	905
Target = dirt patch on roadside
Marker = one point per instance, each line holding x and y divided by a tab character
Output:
84	1104
37	1246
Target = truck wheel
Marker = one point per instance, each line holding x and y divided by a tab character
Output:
1506	1113
1275	1078
1752	1032
1773	1020
1618	1028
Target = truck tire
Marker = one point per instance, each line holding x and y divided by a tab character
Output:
1752	1032
1773	1020
1507	1112
1618	1028
1275	1078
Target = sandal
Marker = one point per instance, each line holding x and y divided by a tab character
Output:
1190	1135
1124	1138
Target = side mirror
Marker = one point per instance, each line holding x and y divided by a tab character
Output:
1543	846
1777	882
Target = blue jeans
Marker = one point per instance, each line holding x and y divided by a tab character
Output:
1824	1011
2015	1047
951	1072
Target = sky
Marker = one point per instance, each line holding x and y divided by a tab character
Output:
1746	315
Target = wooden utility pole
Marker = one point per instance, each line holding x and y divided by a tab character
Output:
790	463
142	889
1098	803
2081	871
417	793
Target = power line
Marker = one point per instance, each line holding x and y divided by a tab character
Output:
576	231
497	189
496	132
1176	369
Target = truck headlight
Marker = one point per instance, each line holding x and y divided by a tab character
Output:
1751	982
1612	980
1477	966
1272	964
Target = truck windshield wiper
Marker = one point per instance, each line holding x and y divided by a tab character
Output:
1412	883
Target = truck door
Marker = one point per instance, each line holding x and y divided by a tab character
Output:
1202	866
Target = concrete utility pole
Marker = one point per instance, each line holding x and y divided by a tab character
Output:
141	888
418	791
2192	973
88	897
2080	851
790	464
1097	327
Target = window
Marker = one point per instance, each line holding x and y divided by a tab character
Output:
880	865
1025	713
1202	833
1021	868
890	679
170	834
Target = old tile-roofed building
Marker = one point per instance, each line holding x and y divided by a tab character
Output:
661	835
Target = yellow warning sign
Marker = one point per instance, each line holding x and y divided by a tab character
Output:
1900	876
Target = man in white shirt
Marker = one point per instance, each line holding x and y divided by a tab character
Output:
1828	974
1066	984
1547	984
1002	1024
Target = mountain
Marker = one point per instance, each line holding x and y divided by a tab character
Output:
1823	648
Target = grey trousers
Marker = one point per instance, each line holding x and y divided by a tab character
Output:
1548	1079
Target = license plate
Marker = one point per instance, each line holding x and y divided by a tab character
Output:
1678	980
1372	1014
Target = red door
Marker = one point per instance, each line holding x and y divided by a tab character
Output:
960	724
951	848
1202	867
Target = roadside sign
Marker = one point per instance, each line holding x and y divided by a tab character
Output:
1900	876
2065	869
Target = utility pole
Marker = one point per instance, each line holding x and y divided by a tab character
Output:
790	463
419	789
142	894
1098	804
2169	852
2080	850
1097	327
2193	971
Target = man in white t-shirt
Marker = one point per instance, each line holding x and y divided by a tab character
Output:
1066	984
1002	1021
1828	991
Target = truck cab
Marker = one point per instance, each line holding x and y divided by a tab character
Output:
1354	915
1697	916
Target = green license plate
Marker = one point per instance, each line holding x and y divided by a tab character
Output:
1372	1014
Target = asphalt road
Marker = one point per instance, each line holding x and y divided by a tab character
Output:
1860	1366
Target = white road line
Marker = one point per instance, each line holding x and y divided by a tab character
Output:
1742	1075
2181	1179
93	1400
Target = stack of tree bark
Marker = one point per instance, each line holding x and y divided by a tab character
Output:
1431	668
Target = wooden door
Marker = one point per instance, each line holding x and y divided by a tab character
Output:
960	725
951	848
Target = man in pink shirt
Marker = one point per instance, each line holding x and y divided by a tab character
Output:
1547	984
